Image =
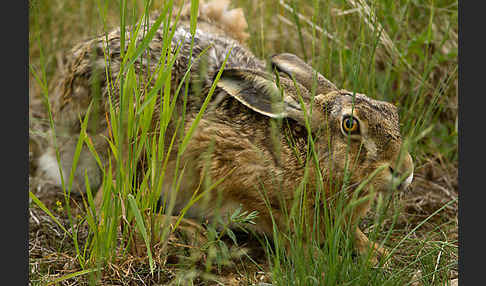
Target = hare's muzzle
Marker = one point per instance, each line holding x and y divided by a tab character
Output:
402	174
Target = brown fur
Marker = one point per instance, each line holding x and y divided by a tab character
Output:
244	134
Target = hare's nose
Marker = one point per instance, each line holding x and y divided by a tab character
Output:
398	175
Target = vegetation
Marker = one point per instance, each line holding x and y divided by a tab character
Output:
404	52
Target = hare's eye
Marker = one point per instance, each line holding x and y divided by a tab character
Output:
350	125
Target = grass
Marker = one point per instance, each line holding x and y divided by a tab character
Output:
404	52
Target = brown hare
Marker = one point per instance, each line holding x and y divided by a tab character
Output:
255	131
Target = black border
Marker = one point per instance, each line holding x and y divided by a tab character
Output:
472	204
14	116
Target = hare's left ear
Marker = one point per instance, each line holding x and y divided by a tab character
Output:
259	91
302	72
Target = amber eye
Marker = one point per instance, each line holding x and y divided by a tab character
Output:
350	125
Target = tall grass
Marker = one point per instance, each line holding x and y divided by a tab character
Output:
360	46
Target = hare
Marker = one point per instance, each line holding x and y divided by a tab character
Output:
254	135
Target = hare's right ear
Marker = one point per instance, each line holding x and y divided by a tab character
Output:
302	72
259	91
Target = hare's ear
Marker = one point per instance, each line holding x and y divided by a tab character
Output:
259	92
302	72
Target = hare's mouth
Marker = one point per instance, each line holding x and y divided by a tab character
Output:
406	183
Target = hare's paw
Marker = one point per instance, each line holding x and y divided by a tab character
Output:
379	256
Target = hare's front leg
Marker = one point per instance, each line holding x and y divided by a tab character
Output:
363	245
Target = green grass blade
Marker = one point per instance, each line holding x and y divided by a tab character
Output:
194	14
141	229
72	275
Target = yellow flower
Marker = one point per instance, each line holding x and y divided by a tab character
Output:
59	206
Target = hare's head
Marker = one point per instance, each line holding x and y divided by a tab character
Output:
361	137
355	136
